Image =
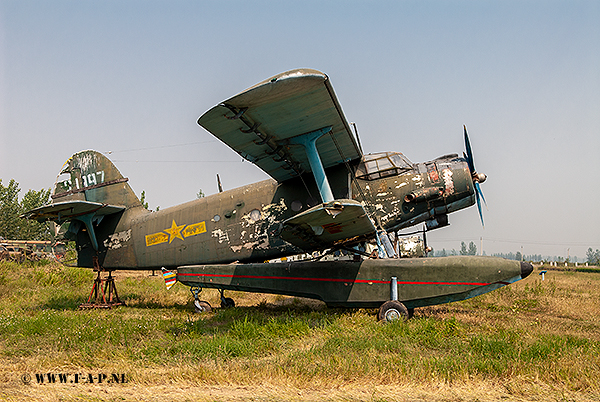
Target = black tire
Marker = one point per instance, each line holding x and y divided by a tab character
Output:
393	310
227	302
202	306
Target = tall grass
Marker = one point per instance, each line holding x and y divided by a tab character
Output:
546	332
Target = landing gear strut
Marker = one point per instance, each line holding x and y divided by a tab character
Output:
200	305
393	310
226	302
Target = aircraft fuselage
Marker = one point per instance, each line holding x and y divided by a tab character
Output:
244	224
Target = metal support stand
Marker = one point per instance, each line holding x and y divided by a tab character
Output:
104	293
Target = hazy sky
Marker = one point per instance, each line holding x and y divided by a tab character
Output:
132	77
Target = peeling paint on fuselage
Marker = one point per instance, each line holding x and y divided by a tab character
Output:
116	240
241	225
234	231
394	212
220	235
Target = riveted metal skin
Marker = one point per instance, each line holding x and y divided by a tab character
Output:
323	194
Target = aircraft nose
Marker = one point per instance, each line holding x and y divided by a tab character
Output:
479	177
526	269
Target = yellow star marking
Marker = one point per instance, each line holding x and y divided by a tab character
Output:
175	231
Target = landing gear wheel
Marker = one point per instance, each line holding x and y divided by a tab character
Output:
227	302
393	310
202	306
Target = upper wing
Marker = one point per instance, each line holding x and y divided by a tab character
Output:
259	122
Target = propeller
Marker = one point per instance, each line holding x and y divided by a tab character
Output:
477	177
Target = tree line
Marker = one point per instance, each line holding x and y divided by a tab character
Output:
471	249
592	256
12	226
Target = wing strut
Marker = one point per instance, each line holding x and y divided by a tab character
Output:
309	142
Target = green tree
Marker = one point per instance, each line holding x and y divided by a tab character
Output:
144	202
9	210
143	199
12	226
593	257
463	248
472	249
30	229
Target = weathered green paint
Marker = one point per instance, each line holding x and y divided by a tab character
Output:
260	122
365	283
284	215
245	224
387	195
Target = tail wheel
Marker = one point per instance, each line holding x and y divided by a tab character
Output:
202	306
227	302
393	310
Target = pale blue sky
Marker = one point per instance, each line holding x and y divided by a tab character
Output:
132	77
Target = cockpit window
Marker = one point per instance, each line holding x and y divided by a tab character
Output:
376	166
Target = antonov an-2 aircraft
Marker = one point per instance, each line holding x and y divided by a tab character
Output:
323	194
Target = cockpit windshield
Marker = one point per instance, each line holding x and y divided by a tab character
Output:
384	164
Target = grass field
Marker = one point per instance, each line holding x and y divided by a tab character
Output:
531	341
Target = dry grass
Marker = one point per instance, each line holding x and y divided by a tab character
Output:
530	341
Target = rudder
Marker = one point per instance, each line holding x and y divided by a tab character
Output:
90	176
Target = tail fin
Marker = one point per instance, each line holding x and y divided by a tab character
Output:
90	191
90	176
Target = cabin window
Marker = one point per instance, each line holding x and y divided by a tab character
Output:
377	166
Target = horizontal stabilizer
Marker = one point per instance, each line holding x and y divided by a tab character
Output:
327	224
64	211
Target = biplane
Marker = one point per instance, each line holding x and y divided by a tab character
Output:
324	195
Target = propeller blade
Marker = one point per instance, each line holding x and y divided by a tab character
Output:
469	155
469	158
479	208
478	189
